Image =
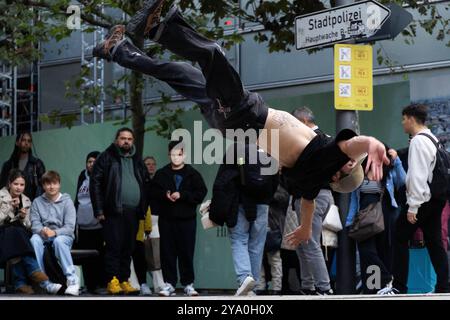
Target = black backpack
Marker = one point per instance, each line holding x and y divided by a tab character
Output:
440	184
253	183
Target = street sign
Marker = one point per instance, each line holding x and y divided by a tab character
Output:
357	20
353	84
400	18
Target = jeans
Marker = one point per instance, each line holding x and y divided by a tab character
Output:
276	272
24	269
62	246
247	243
313	269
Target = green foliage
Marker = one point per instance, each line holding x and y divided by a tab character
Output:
57	117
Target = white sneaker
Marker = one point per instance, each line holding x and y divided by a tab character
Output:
167	291
389	290
251	293
53	288
73	288
190	291
247	285
145	290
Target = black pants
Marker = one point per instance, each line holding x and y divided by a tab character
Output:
217	88
139	262
181	76
386	246
369	251
177	245
290	261
93	270
120	236
429	220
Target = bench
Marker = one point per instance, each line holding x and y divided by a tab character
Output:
78	255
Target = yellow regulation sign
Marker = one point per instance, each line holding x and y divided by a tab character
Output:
353	84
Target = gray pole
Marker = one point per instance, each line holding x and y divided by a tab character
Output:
346	252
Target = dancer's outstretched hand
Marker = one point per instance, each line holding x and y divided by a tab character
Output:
375	159
299	235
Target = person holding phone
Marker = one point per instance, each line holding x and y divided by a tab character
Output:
176	191
15	234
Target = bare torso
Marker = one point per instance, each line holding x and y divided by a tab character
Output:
293	137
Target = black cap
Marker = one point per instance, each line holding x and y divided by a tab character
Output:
92	154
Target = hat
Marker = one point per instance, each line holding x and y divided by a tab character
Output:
93	154
351	181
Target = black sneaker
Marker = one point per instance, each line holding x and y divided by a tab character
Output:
307	292
325	292
114	36
146	18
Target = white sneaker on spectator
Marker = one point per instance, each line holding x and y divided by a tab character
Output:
167	291
247	285
389	290
190	291
145	290
73	288
52	288
251	293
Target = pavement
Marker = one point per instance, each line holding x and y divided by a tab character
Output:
180	296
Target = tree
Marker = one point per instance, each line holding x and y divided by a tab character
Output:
27	22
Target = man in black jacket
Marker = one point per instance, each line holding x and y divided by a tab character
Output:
119	200
22	158
177	188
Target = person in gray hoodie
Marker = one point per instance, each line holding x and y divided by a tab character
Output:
89	230
53	219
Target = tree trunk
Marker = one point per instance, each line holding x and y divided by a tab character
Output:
137	110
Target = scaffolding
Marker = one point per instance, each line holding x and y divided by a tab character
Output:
8	99
94	78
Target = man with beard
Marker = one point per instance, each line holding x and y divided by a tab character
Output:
22	158
119	201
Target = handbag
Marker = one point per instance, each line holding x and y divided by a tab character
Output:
152	256
368	222
332	220
329	239
207	223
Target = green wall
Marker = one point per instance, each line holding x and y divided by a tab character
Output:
64	150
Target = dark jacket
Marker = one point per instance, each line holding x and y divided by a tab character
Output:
33	172
192	192
81	178
240	184
278	207
106	181
225	200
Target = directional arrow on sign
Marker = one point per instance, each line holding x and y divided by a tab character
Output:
357	20
399	20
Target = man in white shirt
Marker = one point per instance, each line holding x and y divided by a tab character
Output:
423	210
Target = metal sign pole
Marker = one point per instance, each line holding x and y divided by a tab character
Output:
346	252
